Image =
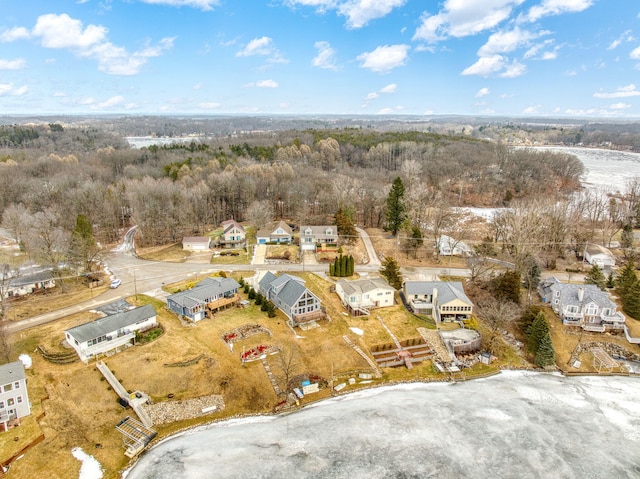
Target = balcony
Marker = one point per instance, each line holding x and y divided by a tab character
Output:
111	343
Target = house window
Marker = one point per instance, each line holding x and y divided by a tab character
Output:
592	309
16	385
10	402
1	404
8	387
19	398
606	312
557	301
572	309
557	294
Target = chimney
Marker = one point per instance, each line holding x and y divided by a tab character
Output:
434	295
580	294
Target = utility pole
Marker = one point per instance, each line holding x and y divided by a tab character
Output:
135	284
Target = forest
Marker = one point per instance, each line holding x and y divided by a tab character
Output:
57	178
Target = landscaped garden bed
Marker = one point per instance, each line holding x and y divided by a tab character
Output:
257	352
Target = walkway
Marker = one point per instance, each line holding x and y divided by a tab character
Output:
135	402
272	378
370	361
432	337
259	254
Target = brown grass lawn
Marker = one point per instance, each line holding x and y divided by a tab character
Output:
172	253
242	258
52	299
278	251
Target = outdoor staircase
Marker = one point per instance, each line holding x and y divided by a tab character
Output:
366	357
272	377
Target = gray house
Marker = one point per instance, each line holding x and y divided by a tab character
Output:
290	295
210	294
312	236
582	305
233	235
24	285
111	333
14	400
441	300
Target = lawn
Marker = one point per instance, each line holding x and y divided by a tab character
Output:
172	253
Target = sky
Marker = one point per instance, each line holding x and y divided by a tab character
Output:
538	58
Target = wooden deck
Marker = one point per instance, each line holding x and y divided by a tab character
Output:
222	303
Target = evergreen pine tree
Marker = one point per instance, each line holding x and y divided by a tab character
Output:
346	224
391	272
631	301
332	268
596	276
626	279
252	293
343	266
352	265
506	287
538	329
396	209
611	282
545	355
259	299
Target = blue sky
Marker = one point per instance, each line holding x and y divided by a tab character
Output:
478	57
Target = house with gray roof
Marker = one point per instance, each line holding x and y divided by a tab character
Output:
581	305
442	300
196	243
312	236
23	285
276	233
14	399
209	295
362	295
290	295
111	333
596	254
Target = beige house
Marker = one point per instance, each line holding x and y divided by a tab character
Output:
275	234
443	301
233	235
311	236
362	295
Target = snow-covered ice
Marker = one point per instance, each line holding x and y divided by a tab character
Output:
91	468
514	425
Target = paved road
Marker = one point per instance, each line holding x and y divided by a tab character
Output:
371	252
148	277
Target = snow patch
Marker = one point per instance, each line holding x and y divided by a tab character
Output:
357	331
26	360
91	468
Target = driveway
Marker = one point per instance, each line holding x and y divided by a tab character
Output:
371	252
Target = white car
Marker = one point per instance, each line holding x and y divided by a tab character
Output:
115	283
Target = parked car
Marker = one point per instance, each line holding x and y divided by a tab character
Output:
115	283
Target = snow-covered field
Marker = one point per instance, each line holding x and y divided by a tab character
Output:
515	425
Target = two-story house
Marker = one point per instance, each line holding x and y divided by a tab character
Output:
275	233
14	399
442	300
233	235
289	294
210	294
362	295
312	236
111	333
581	305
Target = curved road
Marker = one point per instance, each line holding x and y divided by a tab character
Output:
148	277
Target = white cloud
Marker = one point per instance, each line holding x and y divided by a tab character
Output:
386	111
622	92
372	96
107	104
461	18
325	57
531	110
620	106
557	7
486	66
635	53
625	37
17	64
482	92
210	105
9	89
267	84
62	31
14	34
263	46
385	58
390	88
197	86
361	12
507	41
549	55
204	5
513	70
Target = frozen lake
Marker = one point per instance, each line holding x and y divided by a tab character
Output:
515	425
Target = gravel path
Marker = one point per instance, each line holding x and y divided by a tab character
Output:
170	411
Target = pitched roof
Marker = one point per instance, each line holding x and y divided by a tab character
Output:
361	286
109	324
594	249
319	231
196	239
569	293
289	288
31	279
447	290
203	291
270	230
229	224
11	372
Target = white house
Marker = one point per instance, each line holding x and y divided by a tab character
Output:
311	236
111	333
362	295
278	233
447	246
289	294
14	399
441	300
196	243
24	285
598	255
582	305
